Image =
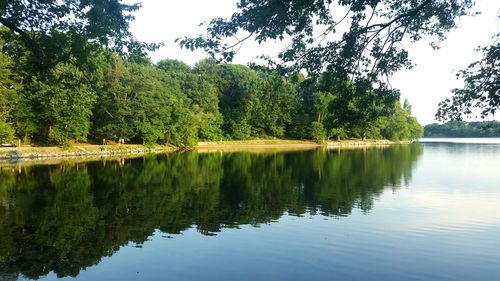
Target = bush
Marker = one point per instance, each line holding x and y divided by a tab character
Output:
6	132
318	132
338	133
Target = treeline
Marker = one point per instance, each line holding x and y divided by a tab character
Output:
108	97
462	129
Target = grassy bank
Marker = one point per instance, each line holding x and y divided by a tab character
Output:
81	150
89	150
256	145
295	143
363	143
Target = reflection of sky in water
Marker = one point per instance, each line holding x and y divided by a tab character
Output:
454	187
461	140
470	168
443	225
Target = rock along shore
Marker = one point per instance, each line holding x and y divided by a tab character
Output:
82	151
33	153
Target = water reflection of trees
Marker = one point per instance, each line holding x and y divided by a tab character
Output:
67	217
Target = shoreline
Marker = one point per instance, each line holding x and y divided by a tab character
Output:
34	153
364	143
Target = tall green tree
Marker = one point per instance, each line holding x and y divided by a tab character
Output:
55	31
276	103
462	129
9	88
61	104
238	96
346	108
113	109
202	94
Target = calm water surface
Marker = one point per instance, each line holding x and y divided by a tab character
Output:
427	211
461	140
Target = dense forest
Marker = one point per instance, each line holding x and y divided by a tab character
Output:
358	39
462	129
105	96
73	72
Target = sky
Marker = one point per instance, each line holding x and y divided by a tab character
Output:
425	85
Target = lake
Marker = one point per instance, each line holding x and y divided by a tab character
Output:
427	211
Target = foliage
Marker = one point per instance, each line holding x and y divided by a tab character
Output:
6	132
113	110
481	90
278	101
8	90
54	31
461	129
63	100
342	108
344	36
203	99
318	132
355	39
338	133
107	96
399	125
416	130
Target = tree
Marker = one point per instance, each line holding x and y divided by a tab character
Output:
462	129
202	94
62	101
416	130
6	131
351	107
407	106
318	132
109	96
8	96
481	90
174	66
54	31
183	129
369	44
113	109
338	133
399	125
321	105
238	97
277	103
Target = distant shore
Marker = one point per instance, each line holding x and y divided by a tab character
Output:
90	150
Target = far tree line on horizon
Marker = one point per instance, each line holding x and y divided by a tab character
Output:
89	79
462	129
